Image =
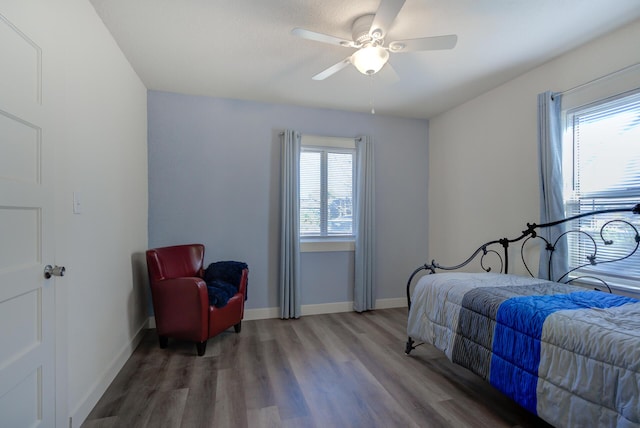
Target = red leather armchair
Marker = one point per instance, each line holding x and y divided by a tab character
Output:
180	298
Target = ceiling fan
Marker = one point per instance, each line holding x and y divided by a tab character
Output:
368	33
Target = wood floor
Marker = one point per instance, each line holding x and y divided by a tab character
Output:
336	370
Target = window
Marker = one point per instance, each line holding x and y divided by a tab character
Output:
326	188
601	155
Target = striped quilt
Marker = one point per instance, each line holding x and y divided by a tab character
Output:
567	354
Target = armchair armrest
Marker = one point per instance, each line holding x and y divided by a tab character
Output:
242	287
181	308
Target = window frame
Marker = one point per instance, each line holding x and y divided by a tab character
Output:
325	145
573	199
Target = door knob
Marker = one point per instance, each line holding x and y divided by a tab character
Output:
50	271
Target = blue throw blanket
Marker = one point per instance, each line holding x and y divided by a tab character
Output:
223	281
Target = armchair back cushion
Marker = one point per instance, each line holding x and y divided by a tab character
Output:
179	261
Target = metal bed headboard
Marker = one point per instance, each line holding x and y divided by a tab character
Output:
533	232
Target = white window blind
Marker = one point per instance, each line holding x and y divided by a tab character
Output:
326	191
310	193
602	171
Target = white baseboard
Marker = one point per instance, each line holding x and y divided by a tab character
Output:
326	308
332	308
82	409
261	314
396	302
317	309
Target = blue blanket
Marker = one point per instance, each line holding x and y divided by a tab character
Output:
223	281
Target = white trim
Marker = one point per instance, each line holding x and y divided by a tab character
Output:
61	354
621	286
261	314
84	407
320	141
326	308
625	291
395	302
315	309
615	83
326	245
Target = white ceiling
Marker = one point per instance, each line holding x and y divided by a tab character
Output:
243	49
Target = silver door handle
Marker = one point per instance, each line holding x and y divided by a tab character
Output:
50	271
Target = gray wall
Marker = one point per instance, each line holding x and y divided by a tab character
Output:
214	168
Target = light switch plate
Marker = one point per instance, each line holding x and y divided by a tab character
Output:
77	204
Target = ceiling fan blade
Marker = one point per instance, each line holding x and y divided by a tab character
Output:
386	14
391	73
333	69
319	37
424	44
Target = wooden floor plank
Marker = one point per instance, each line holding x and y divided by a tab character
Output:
287	393
230	404
265	417
258	387
108	422
168	409
338	370
319	378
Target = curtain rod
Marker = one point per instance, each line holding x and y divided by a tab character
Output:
597	79
281	133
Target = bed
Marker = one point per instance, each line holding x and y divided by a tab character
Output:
567	353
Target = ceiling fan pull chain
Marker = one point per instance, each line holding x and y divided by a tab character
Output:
373	110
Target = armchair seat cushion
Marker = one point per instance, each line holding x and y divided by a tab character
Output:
220	292
221	319
229	272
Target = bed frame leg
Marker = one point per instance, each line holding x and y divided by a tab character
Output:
409	346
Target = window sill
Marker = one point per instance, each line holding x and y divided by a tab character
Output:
621	285
310	245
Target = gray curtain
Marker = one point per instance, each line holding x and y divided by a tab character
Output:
289	226
551	200
364	288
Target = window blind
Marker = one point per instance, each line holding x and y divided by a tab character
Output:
326	191
605	139
310	192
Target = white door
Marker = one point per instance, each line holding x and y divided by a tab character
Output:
26	298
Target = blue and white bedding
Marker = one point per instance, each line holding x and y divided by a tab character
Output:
567	354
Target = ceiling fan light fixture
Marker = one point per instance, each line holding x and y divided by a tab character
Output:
369	60
368	33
